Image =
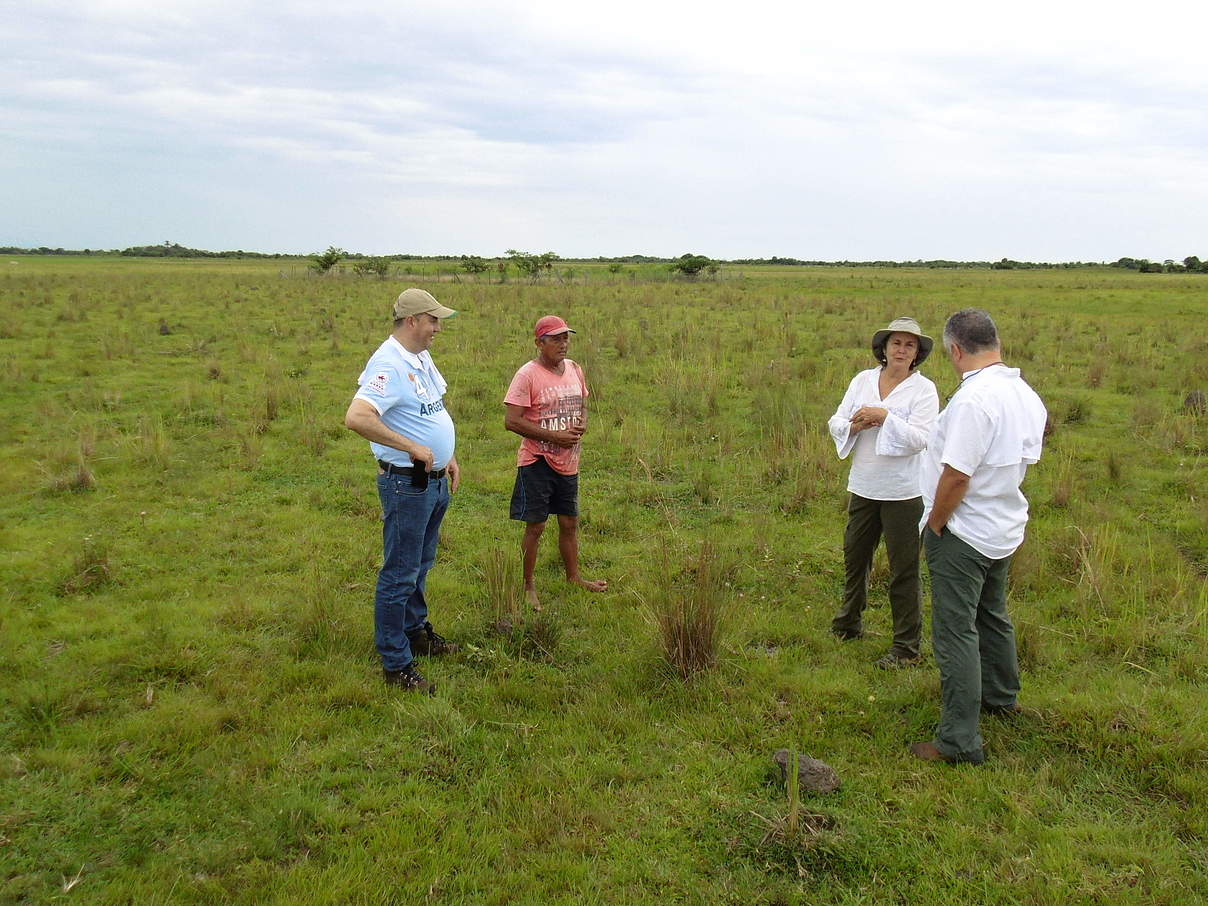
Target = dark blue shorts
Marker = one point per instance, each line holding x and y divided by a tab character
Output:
540	491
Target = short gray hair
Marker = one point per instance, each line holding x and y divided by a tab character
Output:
972	330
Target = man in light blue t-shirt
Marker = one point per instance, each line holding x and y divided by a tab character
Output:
400	410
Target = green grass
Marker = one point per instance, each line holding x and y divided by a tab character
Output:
190	709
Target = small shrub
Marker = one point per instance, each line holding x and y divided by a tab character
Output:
372	267
689	265
472	264
324	262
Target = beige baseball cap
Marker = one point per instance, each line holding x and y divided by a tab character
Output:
415	301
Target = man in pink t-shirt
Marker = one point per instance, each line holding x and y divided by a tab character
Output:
545	406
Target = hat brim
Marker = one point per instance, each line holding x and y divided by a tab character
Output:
926	344
556	333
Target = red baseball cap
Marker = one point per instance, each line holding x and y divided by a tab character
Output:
550	324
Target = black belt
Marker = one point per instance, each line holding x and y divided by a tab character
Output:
391	469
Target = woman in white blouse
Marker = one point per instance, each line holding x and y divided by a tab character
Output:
883	423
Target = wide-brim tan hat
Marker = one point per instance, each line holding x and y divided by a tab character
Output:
902	325
419	302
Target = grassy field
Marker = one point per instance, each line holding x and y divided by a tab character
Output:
190	706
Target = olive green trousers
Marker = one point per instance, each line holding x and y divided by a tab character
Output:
972	640
898	521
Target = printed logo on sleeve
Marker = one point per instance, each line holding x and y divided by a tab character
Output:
378	382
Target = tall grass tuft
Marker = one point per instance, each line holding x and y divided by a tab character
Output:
689	608
76	474
249	442
319	624
89	571
154	445
1097	369
810	470
77	480
792	821
1097	559
504	591
1063	485
272	403
537	637
312	434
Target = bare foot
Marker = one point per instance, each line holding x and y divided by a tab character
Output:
591	584
531	594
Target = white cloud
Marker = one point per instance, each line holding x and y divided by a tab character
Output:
863	130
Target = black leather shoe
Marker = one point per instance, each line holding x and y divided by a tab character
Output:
847	635
408	679
426	643
1011	710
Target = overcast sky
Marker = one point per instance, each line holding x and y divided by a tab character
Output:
1051	131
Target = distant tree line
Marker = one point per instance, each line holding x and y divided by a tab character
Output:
1191	265
534	266
166	250
934	263
176	250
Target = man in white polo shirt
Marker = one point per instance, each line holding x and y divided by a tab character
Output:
400	410
974	515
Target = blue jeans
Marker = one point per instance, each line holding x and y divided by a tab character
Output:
411	520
